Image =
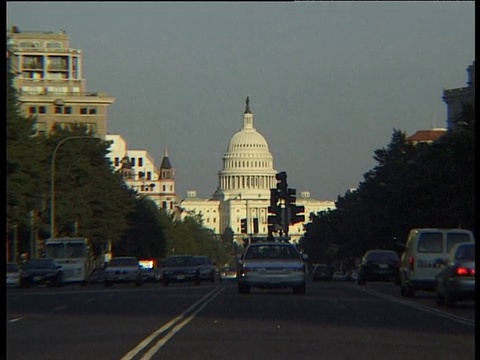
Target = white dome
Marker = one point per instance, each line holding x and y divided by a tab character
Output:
248	140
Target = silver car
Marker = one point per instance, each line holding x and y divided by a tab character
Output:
123	269
272	265
456	279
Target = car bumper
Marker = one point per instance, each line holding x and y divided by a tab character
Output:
272	281
462	289
180	278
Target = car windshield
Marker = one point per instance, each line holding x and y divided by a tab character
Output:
123	262
279	252
180	261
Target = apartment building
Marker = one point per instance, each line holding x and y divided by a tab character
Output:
50	83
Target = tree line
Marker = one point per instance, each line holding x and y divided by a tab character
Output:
90	199
412	186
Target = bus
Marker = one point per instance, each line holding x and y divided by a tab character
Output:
74	255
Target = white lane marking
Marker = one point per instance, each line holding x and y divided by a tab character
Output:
144	343
148	355
15	320
425	308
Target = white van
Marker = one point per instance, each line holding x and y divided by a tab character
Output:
423	254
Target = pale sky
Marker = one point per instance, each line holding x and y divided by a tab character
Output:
327	81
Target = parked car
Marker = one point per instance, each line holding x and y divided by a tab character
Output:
272	265
206	268
456	279
228	273
339	276
322	272
379	265
44	271
180	269
419	261
123	269
13	274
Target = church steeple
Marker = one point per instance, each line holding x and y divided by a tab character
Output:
166	170
247	108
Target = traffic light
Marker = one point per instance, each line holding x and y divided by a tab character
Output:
297	214
282	185
243	226
255	225
291	197
274	197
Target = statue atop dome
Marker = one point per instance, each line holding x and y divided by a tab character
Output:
247	109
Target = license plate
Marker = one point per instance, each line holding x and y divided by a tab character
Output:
181	277
383	266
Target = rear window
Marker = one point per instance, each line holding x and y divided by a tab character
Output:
272	252
456	238
12	268
465	253
180	261
203	261
430	243
382	255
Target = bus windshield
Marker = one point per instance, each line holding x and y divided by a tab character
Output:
55	251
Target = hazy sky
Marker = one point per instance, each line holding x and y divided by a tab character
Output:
328	81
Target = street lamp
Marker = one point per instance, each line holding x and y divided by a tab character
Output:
52	182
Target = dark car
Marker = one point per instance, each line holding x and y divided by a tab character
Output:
456	279
43	271
180	269
322	272
206	268
379	265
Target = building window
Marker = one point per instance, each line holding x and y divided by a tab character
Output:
92	111
132	161
140	161
116	161
32	110
67	110
42	110
149	175
164	188
58	110
83	111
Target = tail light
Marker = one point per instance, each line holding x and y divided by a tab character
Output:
464	271
411	263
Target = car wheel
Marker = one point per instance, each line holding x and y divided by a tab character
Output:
450	300
138	283
439	299
299	289
409	291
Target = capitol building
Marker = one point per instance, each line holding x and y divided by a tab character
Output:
243	190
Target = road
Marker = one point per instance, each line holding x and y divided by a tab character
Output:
213	321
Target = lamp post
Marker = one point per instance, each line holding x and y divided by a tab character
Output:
52	182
